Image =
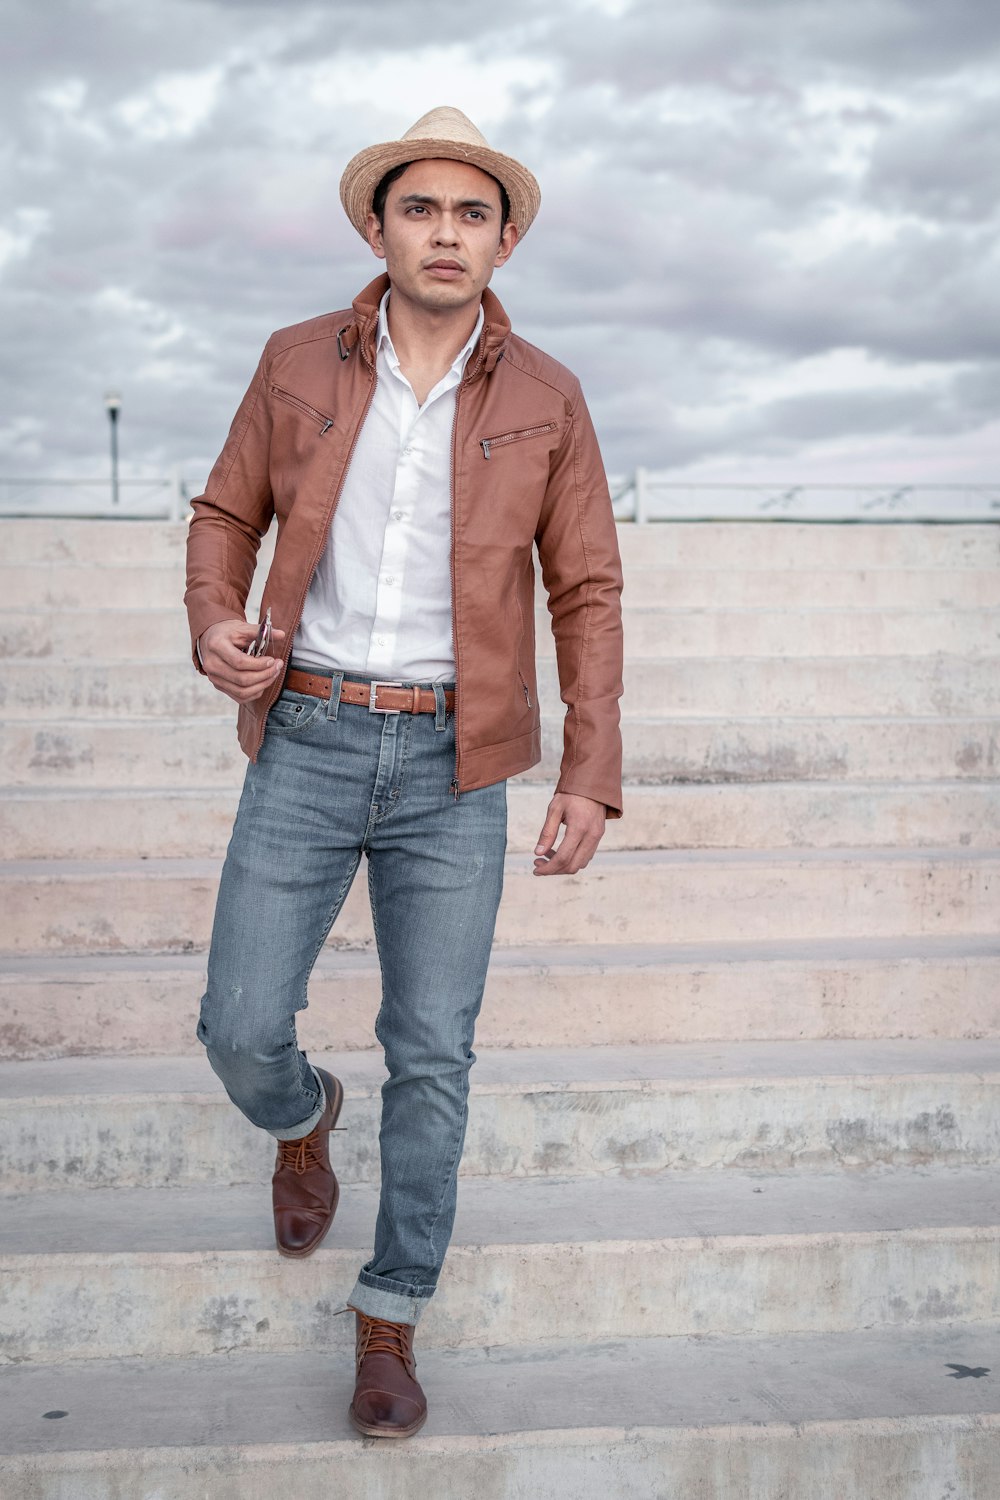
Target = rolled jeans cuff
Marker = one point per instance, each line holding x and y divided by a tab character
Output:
296	1132
376	1299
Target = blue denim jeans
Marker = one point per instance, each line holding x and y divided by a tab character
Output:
333	782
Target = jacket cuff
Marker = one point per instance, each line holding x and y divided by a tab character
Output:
612	801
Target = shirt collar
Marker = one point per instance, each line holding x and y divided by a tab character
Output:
384	341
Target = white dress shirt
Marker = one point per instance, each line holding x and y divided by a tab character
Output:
380	599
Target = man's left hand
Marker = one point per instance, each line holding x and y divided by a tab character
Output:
584	819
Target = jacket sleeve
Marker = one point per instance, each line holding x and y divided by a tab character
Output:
231	517
582	573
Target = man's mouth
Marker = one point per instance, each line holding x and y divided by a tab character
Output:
445	268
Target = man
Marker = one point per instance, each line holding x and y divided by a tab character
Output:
414	450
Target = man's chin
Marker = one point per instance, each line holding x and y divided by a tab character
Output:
444	295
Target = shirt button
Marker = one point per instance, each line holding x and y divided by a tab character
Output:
389	578
398	515
381	640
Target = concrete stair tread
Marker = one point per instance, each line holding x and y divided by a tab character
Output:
519	1069
29	869
46	611
102	821
518	788
206	721
669	1206
152	663
614	1387
679	894
848	949
146	1004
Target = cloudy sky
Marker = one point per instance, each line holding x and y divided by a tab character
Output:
768	241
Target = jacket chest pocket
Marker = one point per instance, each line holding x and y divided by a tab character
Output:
325	422
489	443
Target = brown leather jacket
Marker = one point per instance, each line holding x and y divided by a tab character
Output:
526	469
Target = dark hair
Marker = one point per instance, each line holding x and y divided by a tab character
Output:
394	173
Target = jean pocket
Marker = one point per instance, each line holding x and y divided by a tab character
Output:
291	712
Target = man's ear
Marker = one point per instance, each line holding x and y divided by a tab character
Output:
373	229
508	240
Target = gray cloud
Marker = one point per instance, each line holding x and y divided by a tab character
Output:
729	189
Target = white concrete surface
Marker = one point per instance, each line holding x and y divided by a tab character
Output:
704	1418
659	629
183	822
636	994
821	749
85	1275
533	1112
946	685
659	895
755	1200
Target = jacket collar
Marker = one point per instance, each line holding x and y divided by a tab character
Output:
363	330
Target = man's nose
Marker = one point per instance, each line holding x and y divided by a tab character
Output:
446	231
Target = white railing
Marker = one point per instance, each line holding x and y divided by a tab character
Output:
644	495
650	496
158	497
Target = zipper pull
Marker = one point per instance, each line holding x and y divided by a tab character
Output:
484	443
326	426
454	788
526	698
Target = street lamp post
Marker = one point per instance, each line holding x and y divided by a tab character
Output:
113	402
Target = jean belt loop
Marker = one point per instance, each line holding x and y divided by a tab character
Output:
440	720
333	707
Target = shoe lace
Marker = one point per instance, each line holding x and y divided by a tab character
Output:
379	1336
383	1337
302	1154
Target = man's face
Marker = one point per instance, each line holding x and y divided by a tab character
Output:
440	237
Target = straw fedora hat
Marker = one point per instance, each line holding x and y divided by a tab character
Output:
441	132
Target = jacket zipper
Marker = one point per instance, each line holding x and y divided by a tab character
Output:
455	785
514	437
310	411
324	534
456	782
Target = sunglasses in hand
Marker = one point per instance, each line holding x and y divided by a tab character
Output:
261	644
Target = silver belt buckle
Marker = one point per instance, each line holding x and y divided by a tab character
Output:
372	689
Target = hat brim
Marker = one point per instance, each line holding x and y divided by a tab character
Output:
365	171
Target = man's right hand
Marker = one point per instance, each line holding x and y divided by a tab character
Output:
227	666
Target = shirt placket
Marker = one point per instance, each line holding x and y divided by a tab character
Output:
398	535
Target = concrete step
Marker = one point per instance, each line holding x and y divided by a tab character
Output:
695	544
127	1005
949	686
651	631
804	545
92	543
130	1272
161	586
901	1413
758	586
795	1415
688	895
54	749
535	1112
114	822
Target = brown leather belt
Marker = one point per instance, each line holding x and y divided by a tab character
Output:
377	697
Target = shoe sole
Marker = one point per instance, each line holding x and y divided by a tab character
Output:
336	1103
367	1430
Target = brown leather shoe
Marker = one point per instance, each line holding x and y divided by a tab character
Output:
304	1190
388	1401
